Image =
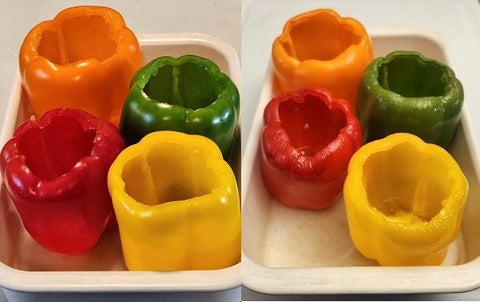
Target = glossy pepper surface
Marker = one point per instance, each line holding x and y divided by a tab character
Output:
404	200
57	179
177	204
306	144
319	48
84	58
187	94
406	92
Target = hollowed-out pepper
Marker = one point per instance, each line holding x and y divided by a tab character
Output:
84	58
404	200
55	170
406	92
306	144
187	94
319	48
177	204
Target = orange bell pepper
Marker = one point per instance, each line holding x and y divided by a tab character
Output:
84	58
319	48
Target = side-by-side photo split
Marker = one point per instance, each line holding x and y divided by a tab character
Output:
239	150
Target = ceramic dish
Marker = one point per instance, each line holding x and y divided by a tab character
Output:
29	272
292	251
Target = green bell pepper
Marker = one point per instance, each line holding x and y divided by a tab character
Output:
188	94
406	92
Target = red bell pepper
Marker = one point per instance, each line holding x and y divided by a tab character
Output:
55	171
307	142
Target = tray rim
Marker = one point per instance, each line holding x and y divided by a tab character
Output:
18	280
358	279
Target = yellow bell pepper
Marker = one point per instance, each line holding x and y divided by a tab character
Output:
404	200
177	204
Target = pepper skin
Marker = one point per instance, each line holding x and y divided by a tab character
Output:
319	48
404	200
84	58
306	144
177	204
187	94
57	179
406	92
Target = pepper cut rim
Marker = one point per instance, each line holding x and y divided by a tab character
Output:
98	135
180	81
286	153
197	145
342	32
413	76
78	35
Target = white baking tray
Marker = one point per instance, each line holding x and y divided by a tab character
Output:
30	272
295	251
